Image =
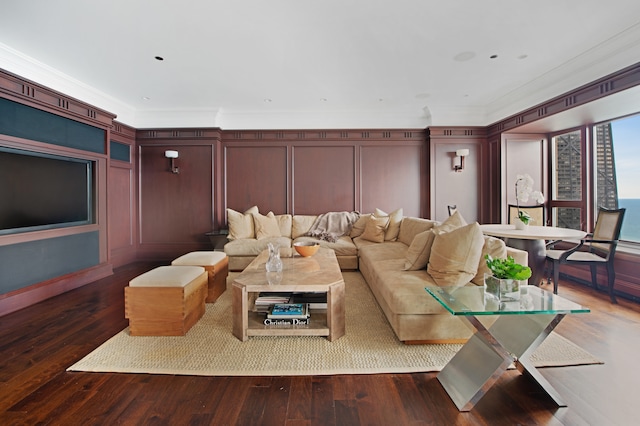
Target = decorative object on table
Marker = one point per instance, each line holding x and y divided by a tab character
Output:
524	192
274	263
506	279
306	248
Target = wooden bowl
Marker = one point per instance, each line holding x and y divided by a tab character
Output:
306	248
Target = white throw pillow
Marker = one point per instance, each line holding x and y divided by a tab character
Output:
241	224
266	226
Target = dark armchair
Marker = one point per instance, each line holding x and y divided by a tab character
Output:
596	249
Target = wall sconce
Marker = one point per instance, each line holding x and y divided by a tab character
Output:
460	153
172	155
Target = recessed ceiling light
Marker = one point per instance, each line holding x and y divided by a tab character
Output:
145	98
323	99
267	100
493	56
523	56
159	58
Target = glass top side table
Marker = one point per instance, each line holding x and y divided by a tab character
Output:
520	327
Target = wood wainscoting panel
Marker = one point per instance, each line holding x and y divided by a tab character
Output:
175	208
393	176
323	179
256	175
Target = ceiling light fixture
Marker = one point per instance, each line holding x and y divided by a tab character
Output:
493	56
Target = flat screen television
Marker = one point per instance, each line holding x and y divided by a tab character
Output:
44	191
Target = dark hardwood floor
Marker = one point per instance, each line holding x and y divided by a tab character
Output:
37	344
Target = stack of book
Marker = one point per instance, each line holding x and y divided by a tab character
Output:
317	300
265	301
288	314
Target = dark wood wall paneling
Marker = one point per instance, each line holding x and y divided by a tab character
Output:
121	198
312	172
176	210
473	183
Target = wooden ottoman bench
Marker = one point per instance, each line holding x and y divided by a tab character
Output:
166	301
216	263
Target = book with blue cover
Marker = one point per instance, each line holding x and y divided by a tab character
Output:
288	310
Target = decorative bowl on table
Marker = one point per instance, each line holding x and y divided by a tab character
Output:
306	248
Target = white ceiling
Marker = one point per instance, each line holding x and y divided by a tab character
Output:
316	63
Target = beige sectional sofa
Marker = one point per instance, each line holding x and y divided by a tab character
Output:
398	257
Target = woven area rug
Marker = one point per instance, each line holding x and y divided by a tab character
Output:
369	346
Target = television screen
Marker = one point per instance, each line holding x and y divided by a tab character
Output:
43	191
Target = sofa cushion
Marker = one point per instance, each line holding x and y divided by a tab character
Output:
393	228
266	226
253	247
241	224
375	229
344	246
412	226
419	251
455	255
494	247
301	224
285	224
358	227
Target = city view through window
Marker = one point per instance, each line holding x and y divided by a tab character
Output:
615	170
626	150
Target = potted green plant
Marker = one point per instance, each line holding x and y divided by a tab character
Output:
506	278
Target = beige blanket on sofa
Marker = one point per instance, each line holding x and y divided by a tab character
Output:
331	226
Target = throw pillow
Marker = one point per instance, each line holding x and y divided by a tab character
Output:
375	229
358	227
494	247
395	217
419	251
417	256
241	224
266	226
455	255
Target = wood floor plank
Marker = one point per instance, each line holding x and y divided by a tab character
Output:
38	343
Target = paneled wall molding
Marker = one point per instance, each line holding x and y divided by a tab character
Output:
124	131
457	132
325	135
29	93
179	134
613	83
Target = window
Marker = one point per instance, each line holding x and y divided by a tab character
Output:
567	200
616	157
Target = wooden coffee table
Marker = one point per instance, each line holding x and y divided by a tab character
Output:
318	273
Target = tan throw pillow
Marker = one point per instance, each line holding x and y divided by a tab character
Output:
241	224
494	247
266	226
418	256
393	228
455	255
375	228
358	227
419	251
